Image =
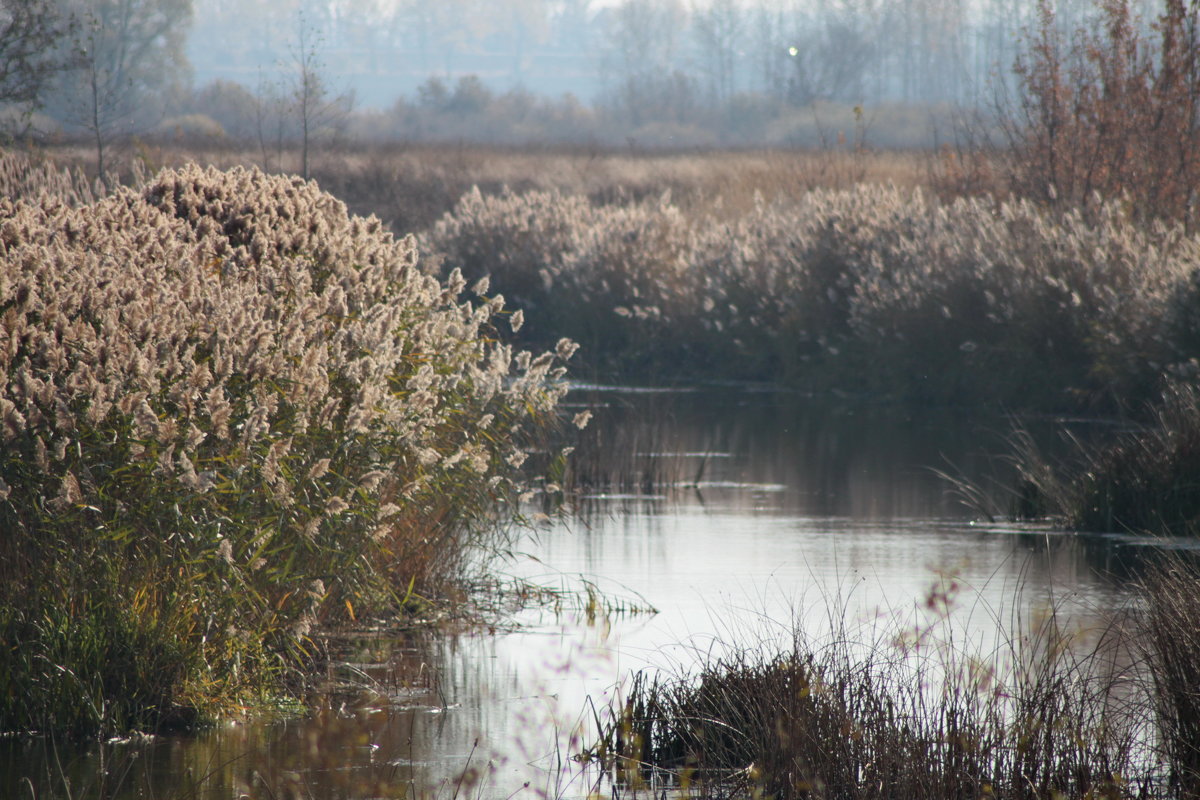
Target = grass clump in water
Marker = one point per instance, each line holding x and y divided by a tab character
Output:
1173	632
231	414
1050	713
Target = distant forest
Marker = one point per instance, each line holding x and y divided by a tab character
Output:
891	73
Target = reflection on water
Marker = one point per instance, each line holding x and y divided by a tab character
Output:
785	454
736	516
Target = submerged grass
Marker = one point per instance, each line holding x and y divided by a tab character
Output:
1052	712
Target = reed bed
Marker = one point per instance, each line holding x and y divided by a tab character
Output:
232	414
831	270
410	186
1054	711
1173	612
872	289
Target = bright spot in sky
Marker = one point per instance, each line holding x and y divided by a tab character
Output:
793	50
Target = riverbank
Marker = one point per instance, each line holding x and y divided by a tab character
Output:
799	502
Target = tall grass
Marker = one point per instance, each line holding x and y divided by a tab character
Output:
232	413
1173	627
409	187
870	289
1144	479
24	175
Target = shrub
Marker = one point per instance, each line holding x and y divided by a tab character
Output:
1110	112
231	413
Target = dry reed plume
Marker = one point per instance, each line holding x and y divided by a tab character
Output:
232	412
872	288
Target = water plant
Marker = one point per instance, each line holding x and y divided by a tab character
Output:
1054	711
1139	480
233	413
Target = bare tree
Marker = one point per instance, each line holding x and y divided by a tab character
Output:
570	23
126	55
640	54
270	120
718	28
445	28
527	23
770	41
30	52
829	51
316	110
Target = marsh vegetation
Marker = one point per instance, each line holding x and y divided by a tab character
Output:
239	414
234	414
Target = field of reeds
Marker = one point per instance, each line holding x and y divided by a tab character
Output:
847	273
873	290
232	413
410	186
855	272
1055	710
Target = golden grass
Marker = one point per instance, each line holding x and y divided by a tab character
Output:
411	186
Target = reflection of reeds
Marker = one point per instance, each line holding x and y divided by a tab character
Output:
636	449
626	460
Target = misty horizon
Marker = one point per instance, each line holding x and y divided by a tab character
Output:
913	51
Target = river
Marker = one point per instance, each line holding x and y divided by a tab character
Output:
706	520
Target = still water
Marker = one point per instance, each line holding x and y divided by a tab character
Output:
706	521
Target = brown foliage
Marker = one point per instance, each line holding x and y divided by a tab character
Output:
1110	111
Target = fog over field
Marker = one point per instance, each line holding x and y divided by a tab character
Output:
918	51
657	72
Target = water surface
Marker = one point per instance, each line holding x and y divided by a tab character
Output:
739	517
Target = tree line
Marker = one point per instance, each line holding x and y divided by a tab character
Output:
789	50
108	69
